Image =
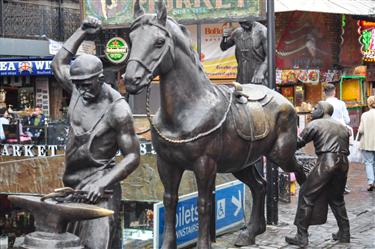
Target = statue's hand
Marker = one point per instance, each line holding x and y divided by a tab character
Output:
91	25
227	32
258	78
94	190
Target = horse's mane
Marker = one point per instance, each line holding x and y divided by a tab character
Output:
180	35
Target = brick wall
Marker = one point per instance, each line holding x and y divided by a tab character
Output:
350	54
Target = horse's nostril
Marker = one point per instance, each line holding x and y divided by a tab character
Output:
132	79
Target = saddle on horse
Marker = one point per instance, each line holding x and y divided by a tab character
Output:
248	114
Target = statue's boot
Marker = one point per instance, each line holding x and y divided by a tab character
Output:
343	234
300	239
343	237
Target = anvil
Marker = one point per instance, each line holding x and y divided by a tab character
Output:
51	219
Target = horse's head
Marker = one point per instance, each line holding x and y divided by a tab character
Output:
151	48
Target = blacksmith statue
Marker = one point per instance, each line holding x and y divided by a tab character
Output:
101	123
325	184
250	40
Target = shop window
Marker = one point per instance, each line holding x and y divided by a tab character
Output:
16	81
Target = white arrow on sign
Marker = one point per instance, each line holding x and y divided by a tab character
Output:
237	203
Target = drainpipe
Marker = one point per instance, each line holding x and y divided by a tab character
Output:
271	168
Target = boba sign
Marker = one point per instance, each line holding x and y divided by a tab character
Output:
116	50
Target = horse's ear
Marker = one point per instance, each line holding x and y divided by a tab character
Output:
162	13
138	10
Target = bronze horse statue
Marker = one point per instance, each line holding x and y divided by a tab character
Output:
204	127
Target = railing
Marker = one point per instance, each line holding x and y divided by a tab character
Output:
37	19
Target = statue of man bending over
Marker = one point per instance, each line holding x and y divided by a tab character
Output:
325	184
101	123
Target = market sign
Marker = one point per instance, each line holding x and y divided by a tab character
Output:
116	50
45	150
25	68
120	12
367	40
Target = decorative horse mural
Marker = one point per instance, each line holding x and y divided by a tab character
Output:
206	128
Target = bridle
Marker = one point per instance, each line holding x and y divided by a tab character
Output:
167	48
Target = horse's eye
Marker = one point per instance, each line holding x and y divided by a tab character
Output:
159	42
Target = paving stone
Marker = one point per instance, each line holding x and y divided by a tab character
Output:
360	206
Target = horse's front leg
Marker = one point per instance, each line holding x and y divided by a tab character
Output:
205	173
170	176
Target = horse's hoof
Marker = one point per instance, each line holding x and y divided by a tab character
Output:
244	239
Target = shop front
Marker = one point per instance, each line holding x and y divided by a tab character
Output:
25	86
315	48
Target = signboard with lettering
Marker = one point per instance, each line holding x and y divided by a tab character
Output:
367	40
120	12
229	200
25	68
44	150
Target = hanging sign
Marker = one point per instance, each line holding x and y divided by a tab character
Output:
367	40
120	12
116	50
25	68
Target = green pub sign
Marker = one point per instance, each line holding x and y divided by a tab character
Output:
116	50
120	12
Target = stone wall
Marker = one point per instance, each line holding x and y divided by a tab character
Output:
44	174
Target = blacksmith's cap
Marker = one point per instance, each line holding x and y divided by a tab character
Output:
85	66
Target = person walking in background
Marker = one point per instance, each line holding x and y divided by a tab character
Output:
3	120
340	112
36	124
367	142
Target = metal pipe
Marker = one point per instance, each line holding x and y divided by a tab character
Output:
271	43
272	169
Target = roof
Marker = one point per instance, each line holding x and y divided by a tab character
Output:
349	7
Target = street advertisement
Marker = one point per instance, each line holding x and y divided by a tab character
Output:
217	64
229	204
120	12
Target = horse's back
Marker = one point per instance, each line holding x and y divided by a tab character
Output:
278	111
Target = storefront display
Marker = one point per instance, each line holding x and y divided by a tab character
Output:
42	95
352	90
302	87
367	39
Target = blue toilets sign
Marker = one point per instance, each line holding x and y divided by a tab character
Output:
229	214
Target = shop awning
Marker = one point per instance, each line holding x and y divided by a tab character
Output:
348	7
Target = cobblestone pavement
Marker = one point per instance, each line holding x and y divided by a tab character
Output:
360	205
